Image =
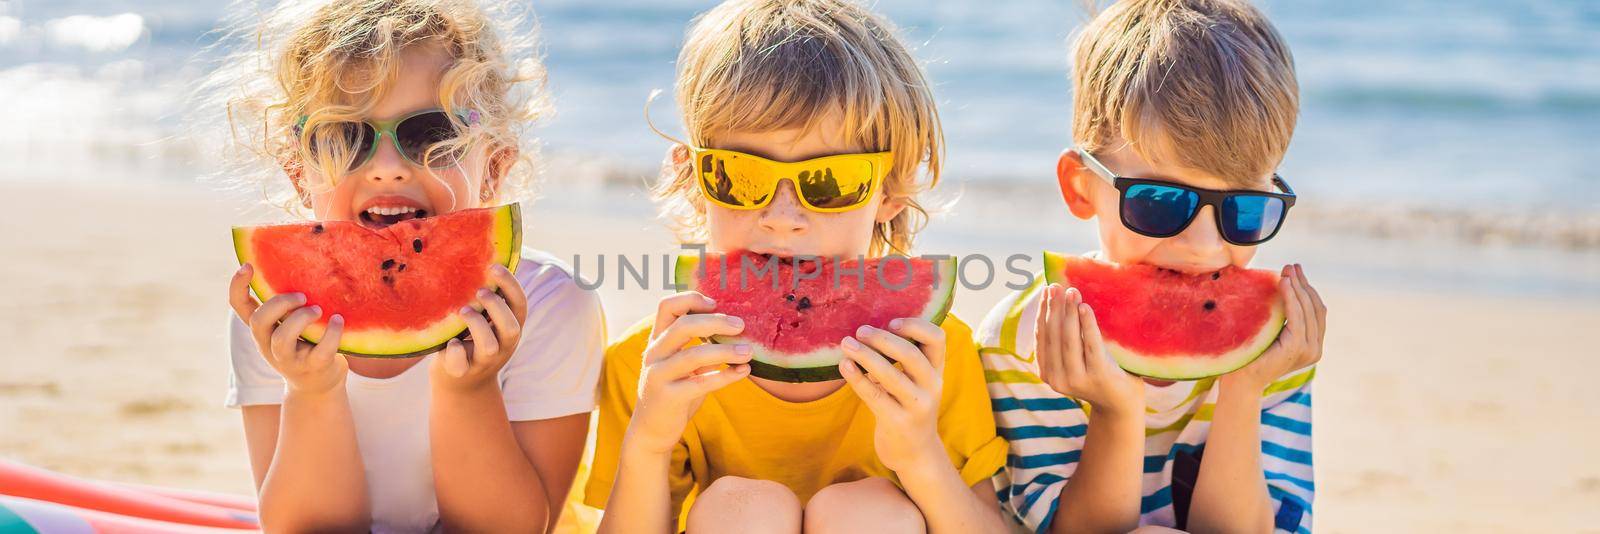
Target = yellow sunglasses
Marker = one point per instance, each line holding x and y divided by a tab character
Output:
828	184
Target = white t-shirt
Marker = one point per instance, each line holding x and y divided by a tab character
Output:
552	374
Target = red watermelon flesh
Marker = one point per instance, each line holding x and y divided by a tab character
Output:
398	288
796	312
1170	325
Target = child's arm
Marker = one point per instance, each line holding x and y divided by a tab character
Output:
308	470
1232	494
1103	493
672	385
484	480
906	406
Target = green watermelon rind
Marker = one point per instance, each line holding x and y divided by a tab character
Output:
1179	366
398	344
820	365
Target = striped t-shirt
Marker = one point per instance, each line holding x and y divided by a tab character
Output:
1047	430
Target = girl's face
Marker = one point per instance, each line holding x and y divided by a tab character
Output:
388	189
784	227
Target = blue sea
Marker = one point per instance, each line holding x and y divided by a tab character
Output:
1436	106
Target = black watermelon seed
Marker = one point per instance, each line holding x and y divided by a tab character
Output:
1215	276
387	279
388	264
1211	305
402	267
805	302
316	229
789	297
416	244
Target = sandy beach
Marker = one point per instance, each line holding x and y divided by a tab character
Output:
1447	406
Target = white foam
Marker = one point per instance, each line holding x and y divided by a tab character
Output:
113	33
10	30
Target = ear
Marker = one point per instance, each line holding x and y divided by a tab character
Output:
295	170
890	208
1070	177
500	162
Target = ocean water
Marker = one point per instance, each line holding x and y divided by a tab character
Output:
1430	105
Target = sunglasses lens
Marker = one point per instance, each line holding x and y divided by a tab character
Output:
734	181
416	135
838	185
1250	219
1158	210
341	141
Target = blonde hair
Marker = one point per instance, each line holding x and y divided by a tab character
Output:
1209	83
333	61
762	65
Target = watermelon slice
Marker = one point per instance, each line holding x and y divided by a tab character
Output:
796	312
399	288
1169	325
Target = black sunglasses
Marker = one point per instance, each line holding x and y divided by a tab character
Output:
1158	208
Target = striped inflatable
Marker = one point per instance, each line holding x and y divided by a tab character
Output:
37	500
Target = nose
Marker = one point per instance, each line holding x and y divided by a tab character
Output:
1201	238
387	165
785	215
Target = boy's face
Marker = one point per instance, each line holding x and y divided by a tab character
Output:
784	227
1199	249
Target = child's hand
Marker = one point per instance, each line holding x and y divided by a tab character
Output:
905	404
491	340
276	326
1073	359
1299	344
675	380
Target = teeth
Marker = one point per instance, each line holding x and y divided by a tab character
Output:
390	210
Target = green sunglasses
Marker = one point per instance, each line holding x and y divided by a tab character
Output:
412	135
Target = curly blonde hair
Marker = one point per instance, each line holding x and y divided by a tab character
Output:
762	65
303	65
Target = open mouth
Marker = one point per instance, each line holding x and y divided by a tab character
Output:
384	212
805	262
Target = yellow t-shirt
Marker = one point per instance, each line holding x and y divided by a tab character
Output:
744	431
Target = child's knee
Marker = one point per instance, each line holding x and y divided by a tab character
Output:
869	505
735	504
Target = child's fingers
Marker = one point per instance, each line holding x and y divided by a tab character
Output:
287	337
1319	311
1044	353
239	298
870	393
1294	320
915	363
687	362
1095	358
678	305
704	384
1307	309
265	318
507	326
929	336
1072	334
454	359
484	342
892	380
511	291
690	327
328	346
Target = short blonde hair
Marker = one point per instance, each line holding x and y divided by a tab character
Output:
762	65
334	61
1207	83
